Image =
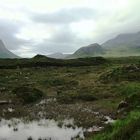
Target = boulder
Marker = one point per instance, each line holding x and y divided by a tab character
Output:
123	104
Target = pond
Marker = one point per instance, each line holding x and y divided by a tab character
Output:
45	129
39	130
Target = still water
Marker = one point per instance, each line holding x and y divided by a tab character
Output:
35	130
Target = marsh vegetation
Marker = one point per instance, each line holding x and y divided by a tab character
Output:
86	90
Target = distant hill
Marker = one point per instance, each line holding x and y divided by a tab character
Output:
39	56
58	55
123	45
5	53
88	51
131	40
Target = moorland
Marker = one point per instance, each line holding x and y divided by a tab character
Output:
89	90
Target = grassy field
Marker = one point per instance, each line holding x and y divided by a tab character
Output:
85	89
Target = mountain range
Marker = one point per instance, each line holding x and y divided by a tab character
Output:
128	40
122	45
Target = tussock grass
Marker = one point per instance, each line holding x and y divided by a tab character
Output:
127	129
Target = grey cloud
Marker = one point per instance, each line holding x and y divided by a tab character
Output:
66	16
64	40
51	47
64	35
60	42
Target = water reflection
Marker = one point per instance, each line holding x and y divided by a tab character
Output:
38	130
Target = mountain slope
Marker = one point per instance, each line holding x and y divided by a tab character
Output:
5	53
58	55
129	40
123	45
89	51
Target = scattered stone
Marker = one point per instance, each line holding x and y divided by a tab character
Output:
10	110
5	102
108	120
122	104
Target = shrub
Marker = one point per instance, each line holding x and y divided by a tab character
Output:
129	89
72	97
86	94
27	94
60	82
134	100
54	82
86	97
65	99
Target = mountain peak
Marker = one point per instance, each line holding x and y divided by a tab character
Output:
89	51
4	52
38	56
93	45
2	44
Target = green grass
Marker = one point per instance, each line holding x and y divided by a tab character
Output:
131	93
128	89
127	129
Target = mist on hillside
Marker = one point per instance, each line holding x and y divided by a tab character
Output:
69	70
59	28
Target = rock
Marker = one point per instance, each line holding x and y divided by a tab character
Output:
15	129
30	138
122	104
5	102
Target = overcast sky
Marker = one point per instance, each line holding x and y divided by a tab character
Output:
29	27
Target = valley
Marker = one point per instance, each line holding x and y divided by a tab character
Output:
90	91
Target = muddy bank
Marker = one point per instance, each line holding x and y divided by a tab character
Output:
48	119
85	114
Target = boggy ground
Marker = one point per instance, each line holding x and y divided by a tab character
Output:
86	93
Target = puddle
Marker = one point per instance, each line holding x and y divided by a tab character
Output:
38	130
44	129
